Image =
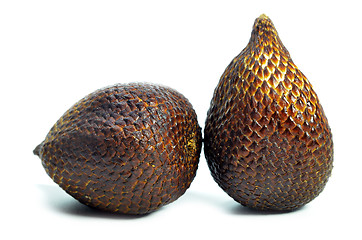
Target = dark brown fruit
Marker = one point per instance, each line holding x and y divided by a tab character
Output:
267	140
129	148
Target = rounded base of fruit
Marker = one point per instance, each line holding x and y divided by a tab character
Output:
241	209
273	209
266	205
121	208
119	211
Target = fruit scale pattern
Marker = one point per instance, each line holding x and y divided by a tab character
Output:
267	140
129	148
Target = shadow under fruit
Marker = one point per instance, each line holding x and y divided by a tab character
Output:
267	139
128	148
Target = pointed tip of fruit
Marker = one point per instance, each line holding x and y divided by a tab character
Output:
264	33
263	20
263	25
263	16
36	151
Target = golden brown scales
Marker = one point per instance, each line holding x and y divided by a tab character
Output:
267	140
129	148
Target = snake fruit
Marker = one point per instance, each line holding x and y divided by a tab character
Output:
268	143
128	148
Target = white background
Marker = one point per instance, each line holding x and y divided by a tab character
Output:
52	53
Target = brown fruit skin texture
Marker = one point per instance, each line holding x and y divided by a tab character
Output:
129	148
267	140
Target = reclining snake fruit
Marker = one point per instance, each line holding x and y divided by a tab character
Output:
267	140
128	148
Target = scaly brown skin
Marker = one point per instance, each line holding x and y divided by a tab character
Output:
267	140
128	148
